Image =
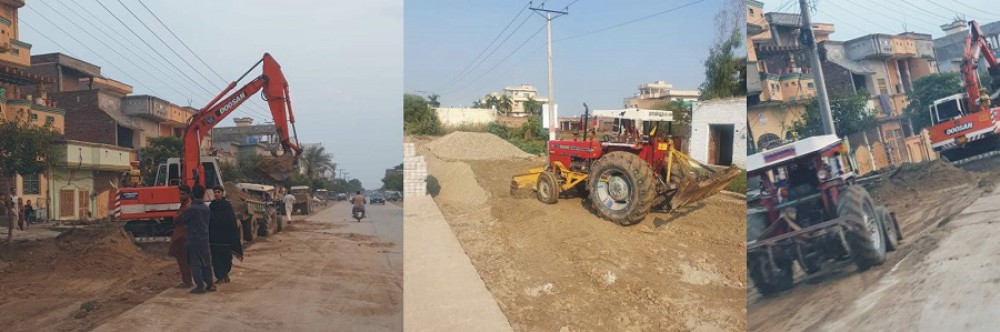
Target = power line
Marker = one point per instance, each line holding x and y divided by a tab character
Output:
127	27
117	41
508	55
518	28
203	62
182	42
106	45
889	16
109	63
630	22
171	49
974	8
486	48
923	10
862	17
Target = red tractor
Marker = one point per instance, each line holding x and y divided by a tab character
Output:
802	207
626	172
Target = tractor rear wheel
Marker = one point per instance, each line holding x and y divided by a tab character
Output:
622	188
866	237
547	188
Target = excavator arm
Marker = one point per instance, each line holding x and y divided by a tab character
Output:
274	89
976	48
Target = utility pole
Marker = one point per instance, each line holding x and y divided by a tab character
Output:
809	39
550	15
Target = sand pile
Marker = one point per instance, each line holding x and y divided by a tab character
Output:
928	176
475	146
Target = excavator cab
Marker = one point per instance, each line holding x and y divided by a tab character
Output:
168	174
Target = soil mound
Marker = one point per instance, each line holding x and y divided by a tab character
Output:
475	146
927	176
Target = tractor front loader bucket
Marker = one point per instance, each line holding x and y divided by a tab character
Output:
278	168
522	185
695	190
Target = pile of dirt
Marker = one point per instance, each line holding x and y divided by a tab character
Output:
560	267
78	280
475	146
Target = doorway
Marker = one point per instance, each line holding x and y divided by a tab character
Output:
720	144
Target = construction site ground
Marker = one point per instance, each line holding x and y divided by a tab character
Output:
326	272
942	278
561	268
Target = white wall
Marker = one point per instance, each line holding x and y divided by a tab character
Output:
731	111
465	116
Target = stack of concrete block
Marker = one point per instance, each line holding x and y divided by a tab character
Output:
414	172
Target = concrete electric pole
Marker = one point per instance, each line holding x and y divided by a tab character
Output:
824	102
550	15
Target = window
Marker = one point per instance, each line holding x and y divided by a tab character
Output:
31	184
810	86
882	86
33	117
50	120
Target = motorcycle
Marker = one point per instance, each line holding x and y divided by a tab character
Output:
358	213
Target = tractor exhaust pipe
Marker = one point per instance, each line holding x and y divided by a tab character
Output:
586	120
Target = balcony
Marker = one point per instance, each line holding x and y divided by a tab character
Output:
96	156
15	53
155	109
903	47
875	46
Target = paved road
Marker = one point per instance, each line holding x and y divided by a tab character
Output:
443	290
328	273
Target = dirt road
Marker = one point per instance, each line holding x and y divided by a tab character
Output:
943	278
559	267
326	274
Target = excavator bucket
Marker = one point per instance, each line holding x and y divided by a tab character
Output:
698	189
278	168
523	184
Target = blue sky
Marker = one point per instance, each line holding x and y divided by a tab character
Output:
443	37
342	59
856	18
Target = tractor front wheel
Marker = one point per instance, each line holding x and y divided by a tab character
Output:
866	237
547	188
622	188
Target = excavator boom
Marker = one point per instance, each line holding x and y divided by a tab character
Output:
275	92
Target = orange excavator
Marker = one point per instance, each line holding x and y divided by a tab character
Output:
967	125
148	211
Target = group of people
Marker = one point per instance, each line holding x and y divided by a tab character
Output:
17	212
206	238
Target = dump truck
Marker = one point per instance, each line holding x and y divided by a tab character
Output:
303	199
256	208
626	172
806	209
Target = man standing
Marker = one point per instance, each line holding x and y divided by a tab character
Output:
199	253
15	211
223	236
178	240
289	200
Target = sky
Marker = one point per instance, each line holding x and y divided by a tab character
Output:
342	60
856	18
600	69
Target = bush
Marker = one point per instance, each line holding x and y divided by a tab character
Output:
739	185
418	117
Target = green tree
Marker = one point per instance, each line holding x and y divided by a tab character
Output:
418	118
505	104
681	112
316	160
432	100
156	153
491	102
393	180
29	149
925	91
850	115
725	70
532	106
